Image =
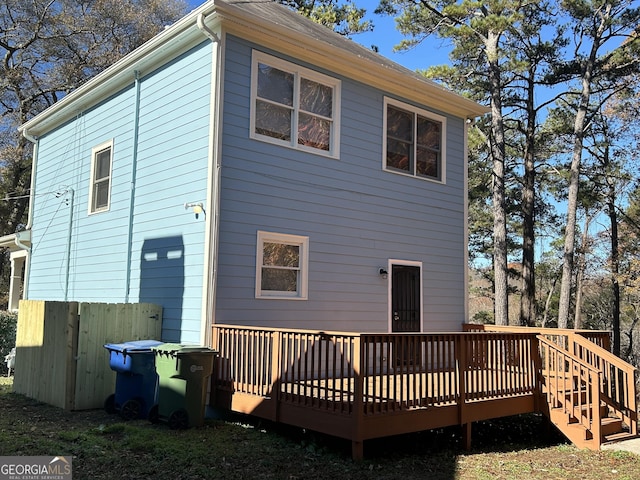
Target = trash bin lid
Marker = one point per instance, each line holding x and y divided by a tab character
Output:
133	346
180	348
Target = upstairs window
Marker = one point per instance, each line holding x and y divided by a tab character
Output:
100	187
294	106
281	266
414	141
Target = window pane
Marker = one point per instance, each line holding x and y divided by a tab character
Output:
314	132
429	133
427	163
103	161
399	124
316	98
100	195
273	121
398	155
280	254
275	85
279	280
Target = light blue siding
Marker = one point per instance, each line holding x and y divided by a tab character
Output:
356	216
167	242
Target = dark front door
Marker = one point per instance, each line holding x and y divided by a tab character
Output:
405	298
405	311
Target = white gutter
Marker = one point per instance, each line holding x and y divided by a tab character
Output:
210	270
173	40
187	32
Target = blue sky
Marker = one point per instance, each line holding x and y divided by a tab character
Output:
385	36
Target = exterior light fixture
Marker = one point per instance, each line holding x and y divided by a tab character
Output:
383	273
197	208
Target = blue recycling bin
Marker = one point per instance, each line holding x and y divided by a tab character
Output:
136	394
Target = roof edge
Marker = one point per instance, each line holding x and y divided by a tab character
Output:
185	34
116	77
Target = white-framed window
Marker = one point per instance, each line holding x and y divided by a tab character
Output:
282	266
100	180
294	106
414	141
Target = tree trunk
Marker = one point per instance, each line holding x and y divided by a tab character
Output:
500	268
547	303
572	208
528	297
582	265
615	261
576	159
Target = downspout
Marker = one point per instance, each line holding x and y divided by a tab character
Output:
132	198
206	30
468	123
212	227
34	162
71	193
18	241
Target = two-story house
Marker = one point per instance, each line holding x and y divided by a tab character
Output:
248	166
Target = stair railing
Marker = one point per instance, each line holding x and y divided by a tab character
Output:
618	387
572	385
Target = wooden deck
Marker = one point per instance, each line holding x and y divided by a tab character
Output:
360	386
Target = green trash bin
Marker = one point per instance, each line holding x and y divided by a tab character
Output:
183	371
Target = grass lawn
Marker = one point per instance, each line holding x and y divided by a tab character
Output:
105	447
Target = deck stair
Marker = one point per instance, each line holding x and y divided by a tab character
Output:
590	397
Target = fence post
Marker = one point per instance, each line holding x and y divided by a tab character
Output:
71	350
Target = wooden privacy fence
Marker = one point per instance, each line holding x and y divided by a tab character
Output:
60	354
362	386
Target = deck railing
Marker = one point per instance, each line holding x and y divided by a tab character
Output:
559	336
395	371
313	379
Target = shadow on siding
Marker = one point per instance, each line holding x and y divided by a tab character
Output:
162	281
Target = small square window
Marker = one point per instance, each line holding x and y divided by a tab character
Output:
414	141
100	182
281	266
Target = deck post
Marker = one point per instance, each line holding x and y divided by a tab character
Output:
461	348
213	388
275	373
357	447
537	371
357	450
466	435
